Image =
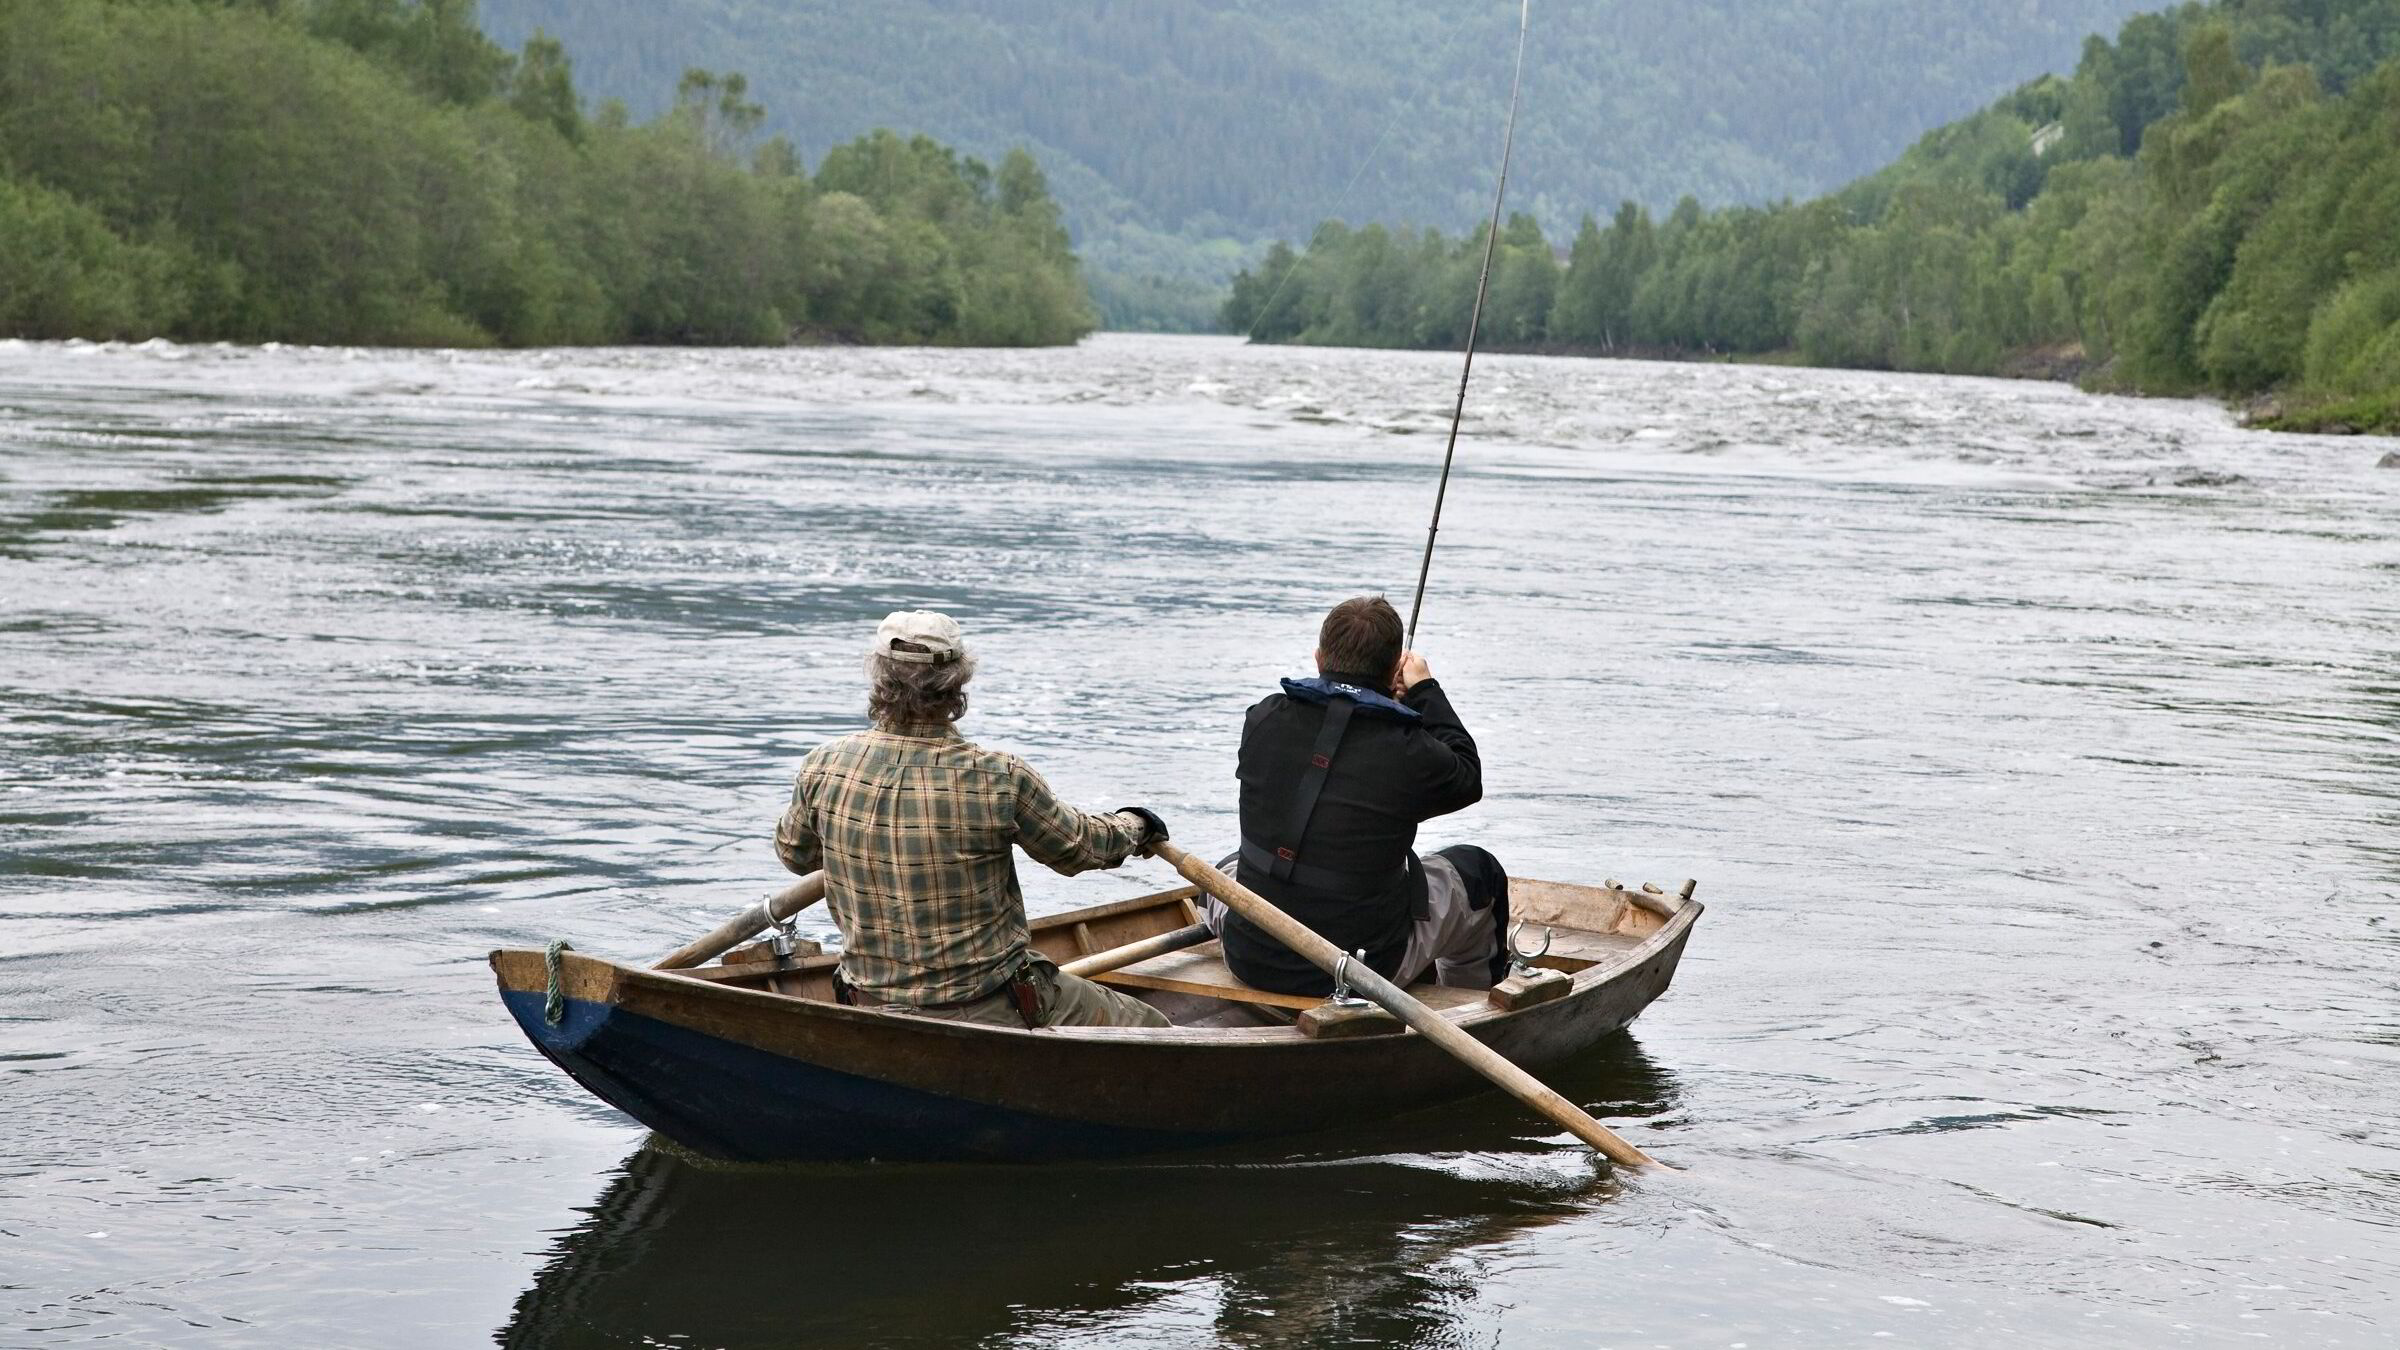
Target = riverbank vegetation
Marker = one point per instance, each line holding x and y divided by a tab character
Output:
378	171
2210	204
1184	135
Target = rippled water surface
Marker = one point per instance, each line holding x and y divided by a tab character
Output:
2039	757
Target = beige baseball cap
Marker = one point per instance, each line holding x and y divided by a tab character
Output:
933	639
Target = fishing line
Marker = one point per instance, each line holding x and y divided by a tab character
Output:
1491	240
1441	62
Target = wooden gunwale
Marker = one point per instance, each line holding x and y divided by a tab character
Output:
642	989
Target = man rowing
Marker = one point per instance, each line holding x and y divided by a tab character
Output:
913	826
1337	772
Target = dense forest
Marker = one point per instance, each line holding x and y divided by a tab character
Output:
2211	203
1183	135
378	171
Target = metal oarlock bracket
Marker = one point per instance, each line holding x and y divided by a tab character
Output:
1342	997
1521	960
782	934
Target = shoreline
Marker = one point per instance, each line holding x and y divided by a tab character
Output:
2065	363
2371	417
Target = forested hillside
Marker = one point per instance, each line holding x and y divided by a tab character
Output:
1183	134
377	171
2210	203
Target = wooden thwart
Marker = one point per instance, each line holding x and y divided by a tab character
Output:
1202	971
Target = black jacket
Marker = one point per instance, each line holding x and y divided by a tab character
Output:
1390	774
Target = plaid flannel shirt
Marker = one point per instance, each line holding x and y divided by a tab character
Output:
913	827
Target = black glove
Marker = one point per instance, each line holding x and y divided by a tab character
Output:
1154	830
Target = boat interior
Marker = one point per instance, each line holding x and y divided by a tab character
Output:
1559	927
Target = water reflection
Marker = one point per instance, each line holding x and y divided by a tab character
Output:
1353	1238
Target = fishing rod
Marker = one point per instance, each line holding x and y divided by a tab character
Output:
1483	283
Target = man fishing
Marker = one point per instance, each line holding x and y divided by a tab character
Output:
913	824
1337	772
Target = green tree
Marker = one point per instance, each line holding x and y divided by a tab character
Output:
436	43
65	273
716	110
376	171
1581	315
1524	286
542	86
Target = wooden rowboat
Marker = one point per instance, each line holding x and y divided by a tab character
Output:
754	1061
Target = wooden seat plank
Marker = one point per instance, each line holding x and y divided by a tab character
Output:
1202	971
1572	949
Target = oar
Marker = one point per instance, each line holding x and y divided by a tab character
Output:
1117	958
730	934
1396	1001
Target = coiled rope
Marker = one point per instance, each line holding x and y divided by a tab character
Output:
554	1009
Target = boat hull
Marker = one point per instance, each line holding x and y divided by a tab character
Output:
746	1075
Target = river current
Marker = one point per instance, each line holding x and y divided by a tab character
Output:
2038	756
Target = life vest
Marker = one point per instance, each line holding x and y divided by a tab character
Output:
1280	857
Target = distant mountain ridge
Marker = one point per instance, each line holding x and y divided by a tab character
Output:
1182	134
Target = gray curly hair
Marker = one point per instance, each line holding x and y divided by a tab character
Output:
915	693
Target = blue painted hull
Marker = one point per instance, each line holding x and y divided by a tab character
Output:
733	1101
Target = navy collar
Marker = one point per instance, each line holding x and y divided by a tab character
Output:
1326	688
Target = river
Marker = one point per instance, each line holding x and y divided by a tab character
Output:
2038	756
